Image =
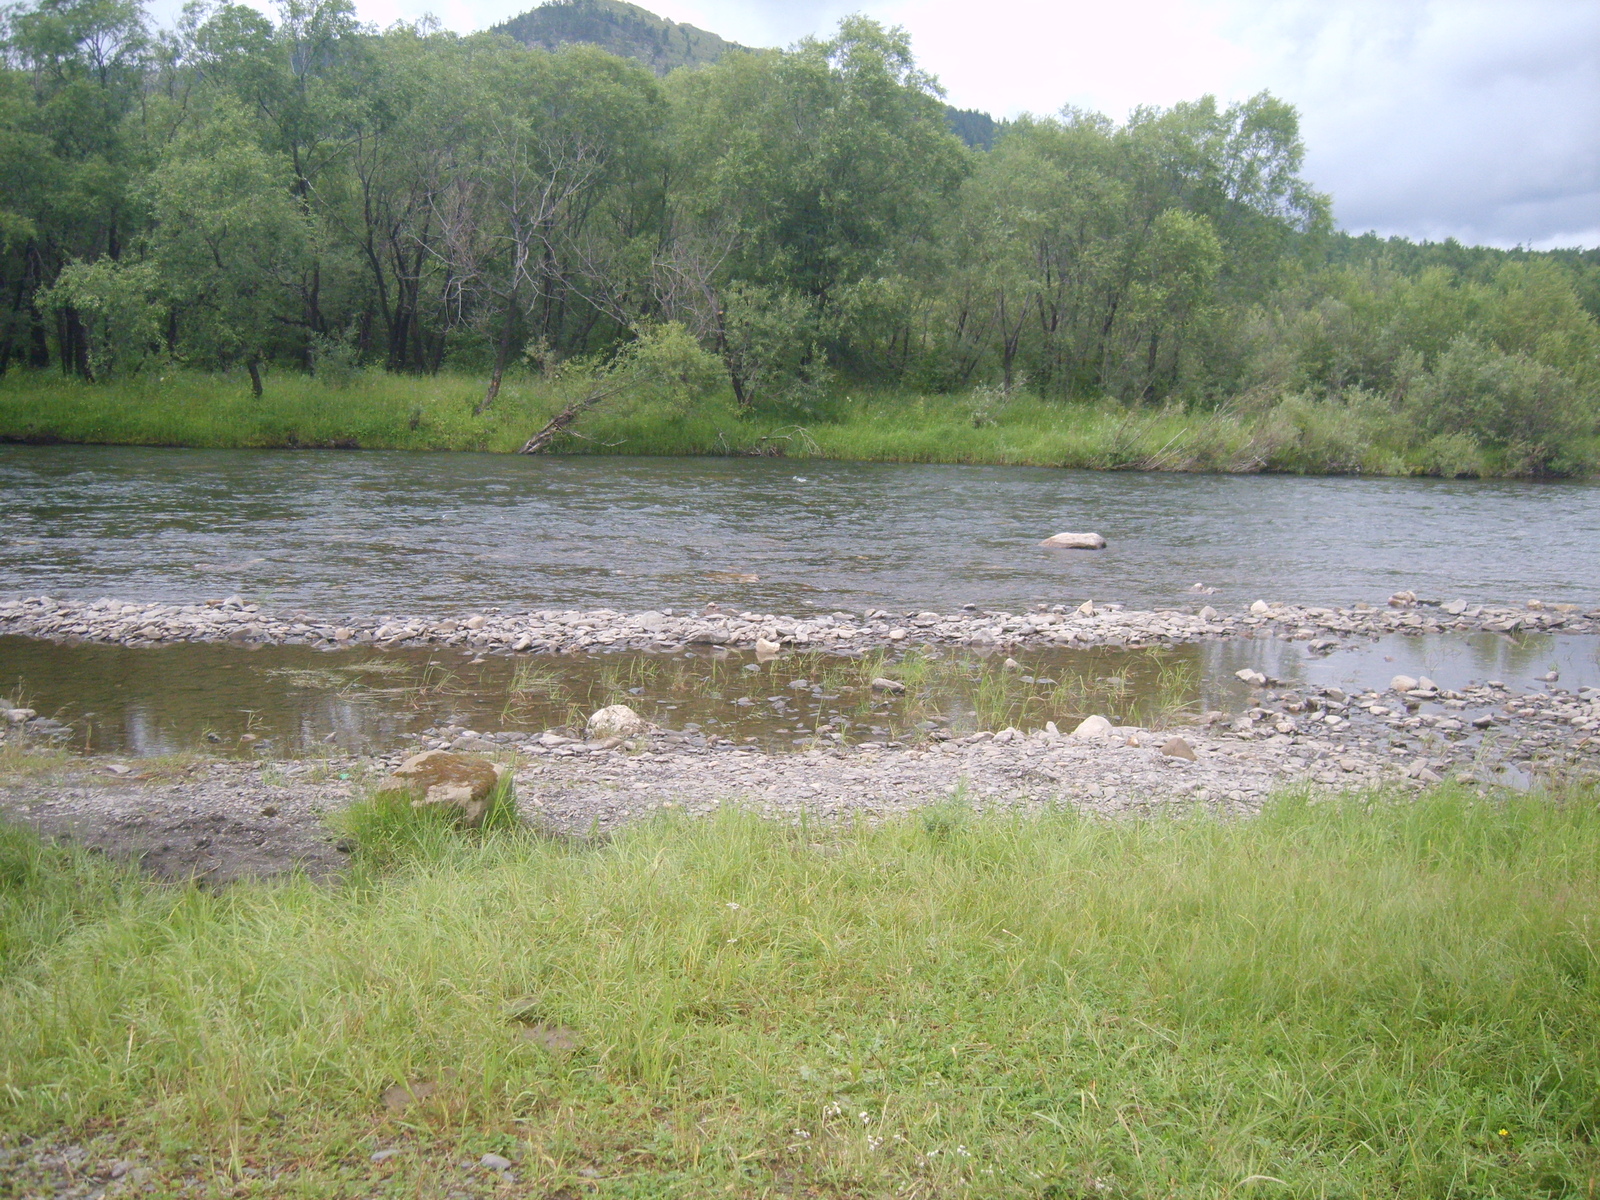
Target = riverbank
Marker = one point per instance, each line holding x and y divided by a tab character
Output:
1356	998
376	411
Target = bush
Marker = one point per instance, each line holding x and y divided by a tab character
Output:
1532	413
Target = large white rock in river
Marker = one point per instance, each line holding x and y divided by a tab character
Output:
616	720
1075	541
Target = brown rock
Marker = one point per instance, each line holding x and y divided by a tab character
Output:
438	777
1178	748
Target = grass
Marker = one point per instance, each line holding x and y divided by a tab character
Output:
376	411
1361	998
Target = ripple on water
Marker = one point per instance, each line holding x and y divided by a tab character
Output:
384	532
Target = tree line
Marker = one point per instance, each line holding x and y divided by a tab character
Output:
310	193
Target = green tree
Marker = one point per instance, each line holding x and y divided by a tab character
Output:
229	241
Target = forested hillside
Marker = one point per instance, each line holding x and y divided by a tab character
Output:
623	29
309	194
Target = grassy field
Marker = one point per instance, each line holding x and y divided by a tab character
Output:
1346	999
387	412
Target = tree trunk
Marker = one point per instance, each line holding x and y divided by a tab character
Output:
254	367
501	353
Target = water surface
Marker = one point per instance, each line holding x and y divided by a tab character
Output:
379	532
293	699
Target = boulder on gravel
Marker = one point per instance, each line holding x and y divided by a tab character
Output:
1093	727
616	720
20	716
439	778
893	686
1402	683
1178	747
1074	541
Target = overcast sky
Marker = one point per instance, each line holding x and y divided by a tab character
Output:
1478	119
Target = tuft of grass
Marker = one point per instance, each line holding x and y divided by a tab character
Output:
388	829
1361	998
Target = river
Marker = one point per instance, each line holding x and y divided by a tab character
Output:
369	532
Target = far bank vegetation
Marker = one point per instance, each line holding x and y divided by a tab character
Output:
369	230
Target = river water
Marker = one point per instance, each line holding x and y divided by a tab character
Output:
372	532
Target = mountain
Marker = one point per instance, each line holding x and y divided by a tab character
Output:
976	129
623	29
632	32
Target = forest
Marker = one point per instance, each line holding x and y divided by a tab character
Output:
777	235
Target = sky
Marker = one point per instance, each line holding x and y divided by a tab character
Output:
1473	119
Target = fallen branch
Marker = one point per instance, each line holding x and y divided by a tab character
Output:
557	424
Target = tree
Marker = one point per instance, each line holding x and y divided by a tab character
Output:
229	240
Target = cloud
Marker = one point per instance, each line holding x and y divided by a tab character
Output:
1477	119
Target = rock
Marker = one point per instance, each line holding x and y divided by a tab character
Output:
1253	678
618	720
1424	684
1454	607
709	637
1208	613
1075	541
495	1162
1260	608
1402	599
438	777
897	635
766	651
19	716
1402	683
1177	747
1093	727
893	686
1086	609
385	1155
1011	664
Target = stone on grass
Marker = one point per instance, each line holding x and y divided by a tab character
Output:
616	720
438	778
893	686
1093	727
1075	541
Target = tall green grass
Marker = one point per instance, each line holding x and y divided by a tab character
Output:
1361	998
376	411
